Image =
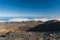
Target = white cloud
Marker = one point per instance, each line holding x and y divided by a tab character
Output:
2	21
27	19
18	19
42	19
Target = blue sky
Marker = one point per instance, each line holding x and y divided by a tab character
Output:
29	8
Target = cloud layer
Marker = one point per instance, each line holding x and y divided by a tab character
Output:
28	19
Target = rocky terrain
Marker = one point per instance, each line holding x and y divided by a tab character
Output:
30	36
30	30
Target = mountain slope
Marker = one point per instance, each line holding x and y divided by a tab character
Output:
52	25
22	26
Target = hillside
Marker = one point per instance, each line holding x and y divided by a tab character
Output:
52	25
18	26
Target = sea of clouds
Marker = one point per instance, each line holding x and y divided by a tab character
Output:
17	19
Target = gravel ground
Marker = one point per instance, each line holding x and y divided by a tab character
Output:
30	36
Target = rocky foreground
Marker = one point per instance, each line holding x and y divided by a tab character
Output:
30	36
